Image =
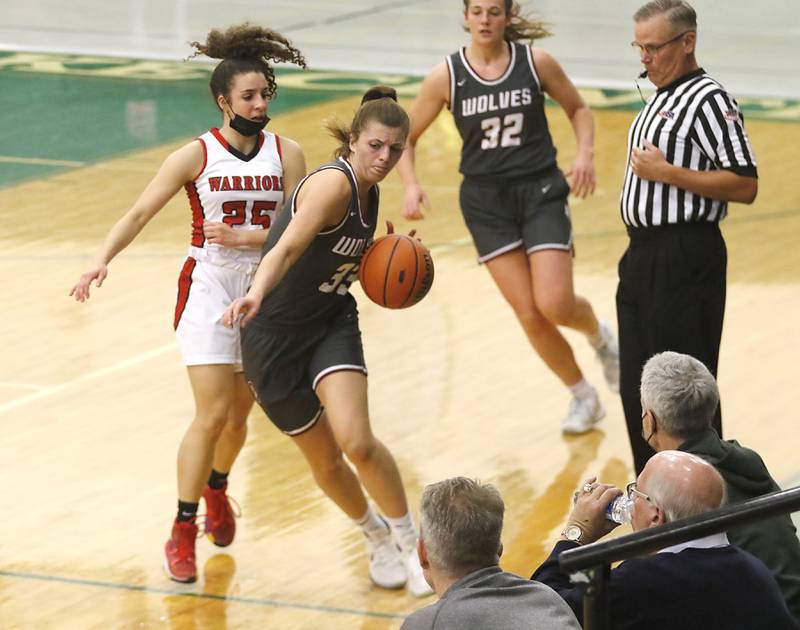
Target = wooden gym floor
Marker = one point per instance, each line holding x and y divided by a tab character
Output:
94	399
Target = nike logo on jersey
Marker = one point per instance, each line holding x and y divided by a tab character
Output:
462	82
546	188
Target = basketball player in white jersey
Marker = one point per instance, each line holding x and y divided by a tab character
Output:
235	177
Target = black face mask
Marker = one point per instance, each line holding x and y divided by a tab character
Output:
248	127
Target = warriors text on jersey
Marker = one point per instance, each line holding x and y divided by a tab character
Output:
242	191
501	122
318	283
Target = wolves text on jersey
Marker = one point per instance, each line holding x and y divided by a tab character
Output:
348	246
494	102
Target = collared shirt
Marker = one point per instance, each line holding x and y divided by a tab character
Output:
697	125
707	542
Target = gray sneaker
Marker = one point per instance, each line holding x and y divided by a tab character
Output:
583	414
608	355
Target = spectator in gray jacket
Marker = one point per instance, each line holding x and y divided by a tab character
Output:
459	549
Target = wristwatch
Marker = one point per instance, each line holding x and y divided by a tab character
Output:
573	533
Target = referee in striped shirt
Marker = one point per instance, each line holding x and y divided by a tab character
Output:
688	156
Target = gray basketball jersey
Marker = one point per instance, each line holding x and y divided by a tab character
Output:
317	285
501	122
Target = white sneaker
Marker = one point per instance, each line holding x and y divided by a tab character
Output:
583	414
386	566
417	584
608	355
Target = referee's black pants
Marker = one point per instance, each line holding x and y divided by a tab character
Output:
671	296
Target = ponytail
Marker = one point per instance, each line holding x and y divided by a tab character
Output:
378	104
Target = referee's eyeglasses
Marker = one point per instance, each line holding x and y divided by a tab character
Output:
653	49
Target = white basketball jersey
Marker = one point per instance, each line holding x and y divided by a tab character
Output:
245	193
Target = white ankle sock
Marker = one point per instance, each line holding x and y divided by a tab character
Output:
597	341
371	523
582	389
404	532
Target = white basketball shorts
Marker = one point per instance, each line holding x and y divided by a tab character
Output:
205	290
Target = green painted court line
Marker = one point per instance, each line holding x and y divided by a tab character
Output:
438	247
87	109
90	109
225	598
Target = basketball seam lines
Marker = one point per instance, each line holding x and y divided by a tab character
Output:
416	272
388	268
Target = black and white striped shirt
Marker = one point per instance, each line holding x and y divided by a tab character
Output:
697	125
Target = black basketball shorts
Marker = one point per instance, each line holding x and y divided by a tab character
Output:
530	212
284	366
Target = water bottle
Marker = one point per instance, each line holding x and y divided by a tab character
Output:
619	510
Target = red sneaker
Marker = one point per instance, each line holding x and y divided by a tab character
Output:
179	562
220	525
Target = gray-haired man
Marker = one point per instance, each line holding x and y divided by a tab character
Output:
459	549
696	585
679	398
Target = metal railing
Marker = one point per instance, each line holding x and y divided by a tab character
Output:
595	559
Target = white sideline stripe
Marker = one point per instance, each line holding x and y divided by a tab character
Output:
13	159
22	386
90	376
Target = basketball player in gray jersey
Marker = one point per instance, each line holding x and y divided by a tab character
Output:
316	286
502	123
513	196
301	349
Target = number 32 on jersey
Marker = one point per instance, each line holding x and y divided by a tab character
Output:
501	132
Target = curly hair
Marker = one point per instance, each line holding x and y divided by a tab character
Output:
245	48
521	27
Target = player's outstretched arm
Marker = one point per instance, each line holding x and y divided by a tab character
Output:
322	201
433	96
180	167
557	84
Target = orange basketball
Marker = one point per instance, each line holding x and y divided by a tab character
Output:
396	271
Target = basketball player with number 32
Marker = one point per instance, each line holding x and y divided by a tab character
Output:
514	196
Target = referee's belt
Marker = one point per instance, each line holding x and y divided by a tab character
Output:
670	229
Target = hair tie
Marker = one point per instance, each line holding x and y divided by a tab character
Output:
378	92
